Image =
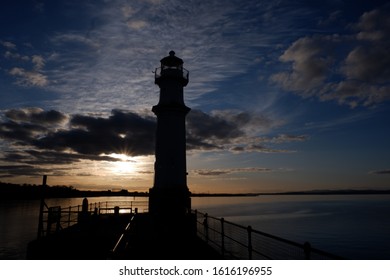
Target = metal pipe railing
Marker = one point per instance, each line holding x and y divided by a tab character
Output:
66	217
122	239
235	241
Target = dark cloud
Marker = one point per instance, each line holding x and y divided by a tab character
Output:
282	138
39	138
356	74
122	133
204	126
23	170
36	115
24	132
90	137
380	172
217	172
52	157
221	130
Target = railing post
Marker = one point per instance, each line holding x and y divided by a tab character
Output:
69	216
206	227
307	250
223	236
42	204
58	220
249	229
196	221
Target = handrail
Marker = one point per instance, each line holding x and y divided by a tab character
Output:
240	242
63	218
122	235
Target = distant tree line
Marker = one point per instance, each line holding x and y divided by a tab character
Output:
32	191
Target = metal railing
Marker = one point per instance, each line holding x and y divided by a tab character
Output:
57	218
235	241
232	241
120	245
171	72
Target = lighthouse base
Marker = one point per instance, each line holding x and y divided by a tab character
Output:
169	201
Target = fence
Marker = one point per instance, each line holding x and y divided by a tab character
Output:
235	241
54	219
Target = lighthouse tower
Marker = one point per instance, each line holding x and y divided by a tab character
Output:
170	194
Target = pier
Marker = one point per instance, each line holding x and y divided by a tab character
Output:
125	230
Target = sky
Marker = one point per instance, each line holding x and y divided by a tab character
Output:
285	95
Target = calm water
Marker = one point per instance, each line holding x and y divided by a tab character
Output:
355	226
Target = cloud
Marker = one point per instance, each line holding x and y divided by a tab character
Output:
25	77
8	45
116	54
74	38
380	172
23	133
13	55
310	64
124	133
235	131
39	62
282	138
129	132
127	11
27	170
78	136
356	75
36	137
29	78
217	172
137	24
36	115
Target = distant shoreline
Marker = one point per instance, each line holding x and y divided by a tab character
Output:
10	191
321	192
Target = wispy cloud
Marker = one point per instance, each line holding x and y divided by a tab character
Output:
111	62
137	24
218	172
8	45
29	78
380	172
28	70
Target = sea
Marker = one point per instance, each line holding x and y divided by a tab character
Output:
351	226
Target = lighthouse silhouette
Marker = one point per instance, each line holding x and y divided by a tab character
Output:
170	193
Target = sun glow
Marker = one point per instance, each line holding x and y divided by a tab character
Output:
124	165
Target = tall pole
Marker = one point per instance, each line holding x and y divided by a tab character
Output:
41	207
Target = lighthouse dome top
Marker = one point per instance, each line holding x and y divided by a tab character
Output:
171	60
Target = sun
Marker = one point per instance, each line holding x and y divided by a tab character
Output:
124	165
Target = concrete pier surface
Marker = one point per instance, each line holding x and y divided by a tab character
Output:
146	238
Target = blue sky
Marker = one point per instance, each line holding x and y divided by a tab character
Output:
285	95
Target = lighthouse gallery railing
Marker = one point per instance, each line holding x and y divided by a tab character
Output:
171	71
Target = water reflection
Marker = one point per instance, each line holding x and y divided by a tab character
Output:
352	226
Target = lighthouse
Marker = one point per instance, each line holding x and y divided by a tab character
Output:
170	193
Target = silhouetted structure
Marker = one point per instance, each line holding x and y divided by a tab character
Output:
170	193
170	230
